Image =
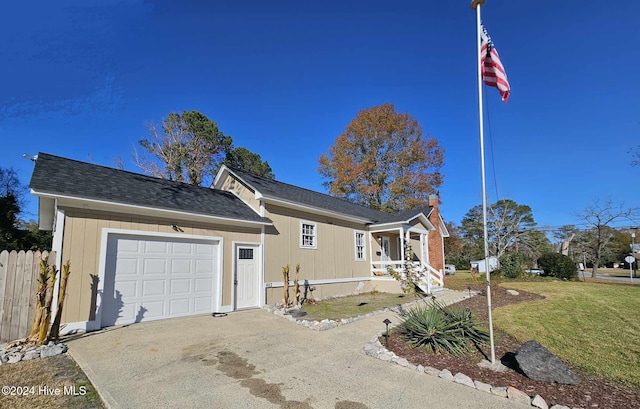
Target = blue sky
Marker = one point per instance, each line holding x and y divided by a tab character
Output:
284	78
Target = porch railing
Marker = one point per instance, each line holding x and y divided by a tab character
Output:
430	278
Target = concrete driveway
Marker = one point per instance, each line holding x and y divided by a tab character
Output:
253	359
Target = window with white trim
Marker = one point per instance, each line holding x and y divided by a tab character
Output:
308	235
359	246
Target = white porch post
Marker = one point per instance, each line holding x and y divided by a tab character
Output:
401	249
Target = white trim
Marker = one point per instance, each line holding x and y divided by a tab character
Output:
364	245
279	284
103	205
315	235
391	225
312	209
56	245
263	291
235	245
225	308
218	177
104	240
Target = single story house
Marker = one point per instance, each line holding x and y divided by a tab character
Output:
144	248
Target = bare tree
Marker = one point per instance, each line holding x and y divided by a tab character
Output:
599	217
188	148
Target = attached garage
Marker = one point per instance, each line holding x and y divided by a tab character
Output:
151	277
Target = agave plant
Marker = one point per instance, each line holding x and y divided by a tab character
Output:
441	329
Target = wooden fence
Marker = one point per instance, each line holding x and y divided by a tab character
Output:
18	287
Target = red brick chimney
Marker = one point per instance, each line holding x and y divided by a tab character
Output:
436	243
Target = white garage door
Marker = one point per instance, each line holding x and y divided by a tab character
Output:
149	278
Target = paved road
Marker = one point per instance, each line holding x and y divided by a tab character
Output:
622	280
253	359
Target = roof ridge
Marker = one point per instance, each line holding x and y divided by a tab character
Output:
129	172
307	189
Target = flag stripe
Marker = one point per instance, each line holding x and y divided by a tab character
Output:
493	72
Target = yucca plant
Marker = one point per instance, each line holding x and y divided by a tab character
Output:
441	329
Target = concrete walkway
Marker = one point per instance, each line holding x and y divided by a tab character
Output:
253	359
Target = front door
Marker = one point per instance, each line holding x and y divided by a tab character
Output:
247	282
386	249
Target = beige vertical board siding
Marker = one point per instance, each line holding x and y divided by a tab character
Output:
333	258
232	184
416	248
82	244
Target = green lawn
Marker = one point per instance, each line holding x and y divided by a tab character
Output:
345	307
594	326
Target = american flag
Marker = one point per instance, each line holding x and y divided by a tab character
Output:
493	73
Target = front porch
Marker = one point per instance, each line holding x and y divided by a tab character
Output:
390	248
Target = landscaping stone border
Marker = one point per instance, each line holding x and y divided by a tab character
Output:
11	354
375	349
326	324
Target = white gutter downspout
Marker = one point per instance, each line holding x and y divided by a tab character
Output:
56	245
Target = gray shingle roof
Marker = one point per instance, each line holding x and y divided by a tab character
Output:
284	191
62	176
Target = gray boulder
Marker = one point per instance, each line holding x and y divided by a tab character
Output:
53	349
541	365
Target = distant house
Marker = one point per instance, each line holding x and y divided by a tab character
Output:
144	248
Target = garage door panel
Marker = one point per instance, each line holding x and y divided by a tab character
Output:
126	289
154	266
179	307
203	285
152	288
158	277
155	246
182	248
128	312
203	248
179	286
203	304
127	245
203	266
181	266
126	266
153	309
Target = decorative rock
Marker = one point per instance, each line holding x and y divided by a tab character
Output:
499	391
512	292
412	367
481	386
518	396
385	357
538	402
432	371
446	374
401	361
371	350
420	368
29	355
14	357
498	367
53	349
541	365
463	379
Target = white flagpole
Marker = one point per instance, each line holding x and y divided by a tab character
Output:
476	4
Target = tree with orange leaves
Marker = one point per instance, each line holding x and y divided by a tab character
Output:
382	161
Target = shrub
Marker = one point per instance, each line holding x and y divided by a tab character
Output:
511	265
558	265
441	329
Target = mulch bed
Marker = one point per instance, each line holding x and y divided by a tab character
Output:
592	392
